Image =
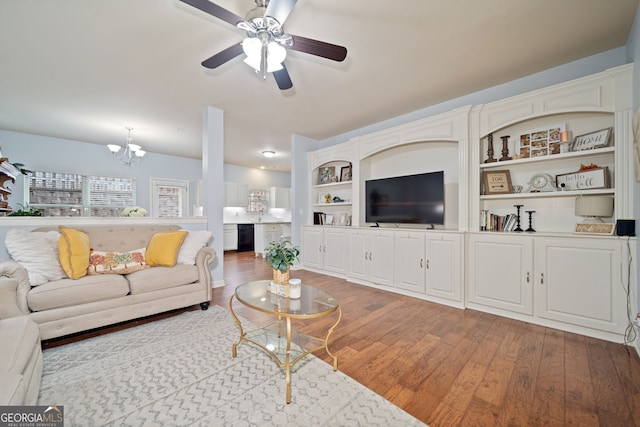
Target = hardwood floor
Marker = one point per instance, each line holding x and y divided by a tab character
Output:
451	367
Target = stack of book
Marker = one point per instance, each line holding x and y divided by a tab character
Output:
504	223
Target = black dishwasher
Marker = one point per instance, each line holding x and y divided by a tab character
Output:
245	237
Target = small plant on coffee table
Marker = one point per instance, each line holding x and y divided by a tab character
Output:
281	256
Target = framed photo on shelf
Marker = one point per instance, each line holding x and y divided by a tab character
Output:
326	174
497	182
590	141
345	173
540	142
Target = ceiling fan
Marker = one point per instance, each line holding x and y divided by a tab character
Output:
266	42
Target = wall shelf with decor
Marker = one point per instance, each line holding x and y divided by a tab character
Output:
542	141
331	192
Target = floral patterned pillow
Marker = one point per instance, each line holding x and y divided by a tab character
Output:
116	262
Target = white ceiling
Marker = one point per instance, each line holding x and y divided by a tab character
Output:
86	69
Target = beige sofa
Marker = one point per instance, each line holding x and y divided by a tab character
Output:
67	306
21	355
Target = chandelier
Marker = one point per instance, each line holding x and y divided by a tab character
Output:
132	153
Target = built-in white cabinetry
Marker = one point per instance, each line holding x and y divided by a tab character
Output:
553	276
280	198
577	283
326	249
444	267
371	256
500	271
331	192
581	281
410	260
236	194
230	237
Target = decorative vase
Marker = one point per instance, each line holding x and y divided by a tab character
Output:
280	277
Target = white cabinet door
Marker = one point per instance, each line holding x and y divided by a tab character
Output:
280	198
359	259
500	271
381	257
230	237
578	282
444	266
409	261
312	247
236	194
336	249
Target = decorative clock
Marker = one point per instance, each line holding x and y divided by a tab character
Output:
541	182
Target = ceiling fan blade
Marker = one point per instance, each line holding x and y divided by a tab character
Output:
224	56
282	78
280	9
318	48
215	10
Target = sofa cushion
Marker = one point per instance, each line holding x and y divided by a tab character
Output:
116	262
194	241
162	250
68	292
20	339
153	279
74	252
37	252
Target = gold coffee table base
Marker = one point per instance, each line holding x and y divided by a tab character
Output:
279	339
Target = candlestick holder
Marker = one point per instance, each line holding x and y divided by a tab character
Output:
518	228
490	158
530	229
505	148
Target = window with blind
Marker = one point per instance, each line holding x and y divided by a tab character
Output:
169	197
63	194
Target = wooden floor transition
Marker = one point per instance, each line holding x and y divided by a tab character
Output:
451	367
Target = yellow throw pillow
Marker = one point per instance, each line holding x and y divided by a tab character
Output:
163	248
74	252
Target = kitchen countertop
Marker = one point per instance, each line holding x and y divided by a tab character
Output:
257	223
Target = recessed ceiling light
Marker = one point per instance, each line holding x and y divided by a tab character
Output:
268	153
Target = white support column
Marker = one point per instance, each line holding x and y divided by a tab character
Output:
213	184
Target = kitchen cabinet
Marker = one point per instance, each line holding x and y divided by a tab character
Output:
280	198
326	249
265	234
236	194
230	237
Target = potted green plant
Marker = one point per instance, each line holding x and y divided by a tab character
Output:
281	256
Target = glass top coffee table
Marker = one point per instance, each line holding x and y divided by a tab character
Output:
285	345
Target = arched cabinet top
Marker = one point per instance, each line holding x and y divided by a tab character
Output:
447	127
598	93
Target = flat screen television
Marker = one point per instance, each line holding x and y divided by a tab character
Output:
409	199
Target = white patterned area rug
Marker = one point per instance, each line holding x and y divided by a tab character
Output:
179	372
